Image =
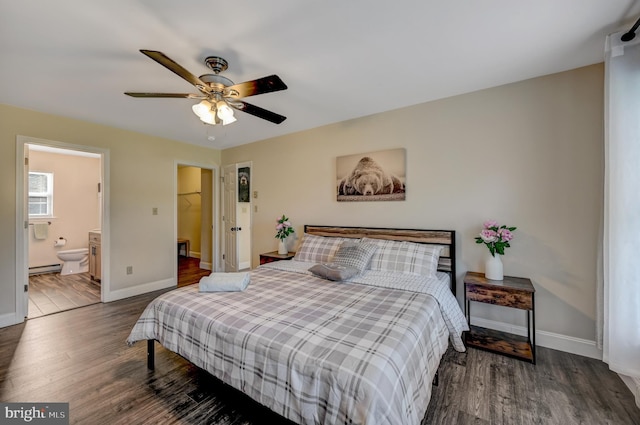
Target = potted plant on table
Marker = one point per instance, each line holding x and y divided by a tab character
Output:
283	230
496	237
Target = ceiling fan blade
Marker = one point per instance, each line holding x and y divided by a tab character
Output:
171	65
254	87
173	95
258	112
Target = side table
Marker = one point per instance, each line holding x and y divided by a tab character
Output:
514	292
269	257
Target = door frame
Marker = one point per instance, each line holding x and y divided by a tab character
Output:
22	228
215	230
237	166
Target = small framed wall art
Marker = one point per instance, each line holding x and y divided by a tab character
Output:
244	184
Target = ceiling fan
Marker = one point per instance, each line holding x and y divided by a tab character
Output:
218	94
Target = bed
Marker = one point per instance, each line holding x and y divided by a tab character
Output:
364	350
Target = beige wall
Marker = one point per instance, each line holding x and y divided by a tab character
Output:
528	154
75	203
142	176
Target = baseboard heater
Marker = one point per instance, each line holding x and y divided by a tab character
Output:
51	268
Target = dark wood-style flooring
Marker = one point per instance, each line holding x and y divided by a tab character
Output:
189	271
80	357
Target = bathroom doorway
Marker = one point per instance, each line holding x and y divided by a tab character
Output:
196	224
62	188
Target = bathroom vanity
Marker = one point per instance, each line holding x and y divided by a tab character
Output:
94	255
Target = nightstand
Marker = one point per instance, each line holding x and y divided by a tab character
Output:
272	256
514	292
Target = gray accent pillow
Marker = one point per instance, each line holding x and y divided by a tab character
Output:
355	254
333	271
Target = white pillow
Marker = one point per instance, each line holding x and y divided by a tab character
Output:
405	257
318	249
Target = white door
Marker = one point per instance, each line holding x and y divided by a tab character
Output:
229	219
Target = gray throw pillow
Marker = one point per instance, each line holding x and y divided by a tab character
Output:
355	254
333	271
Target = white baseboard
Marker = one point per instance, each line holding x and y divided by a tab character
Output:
9	319
194	254
569	344
634	386
245	265
119	294
205	265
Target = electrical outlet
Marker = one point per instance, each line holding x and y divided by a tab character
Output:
129	269
154	211
255	208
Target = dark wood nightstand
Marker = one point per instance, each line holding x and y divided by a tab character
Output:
514	292
272	256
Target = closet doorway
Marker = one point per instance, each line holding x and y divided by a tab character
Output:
196	241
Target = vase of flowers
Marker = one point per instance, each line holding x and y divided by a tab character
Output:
283	230
496	237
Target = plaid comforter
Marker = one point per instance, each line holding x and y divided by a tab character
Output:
314	351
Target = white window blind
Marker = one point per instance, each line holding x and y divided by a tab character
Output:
40	194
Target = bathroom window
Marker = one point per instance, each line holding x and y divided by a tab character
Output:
40	194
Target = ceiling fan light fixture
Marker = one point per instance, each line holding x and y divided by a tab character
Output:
218	93
209	118
225	113
202	109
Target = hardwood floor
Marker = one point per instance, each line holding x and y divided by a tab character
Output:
189	271
80	357
51	293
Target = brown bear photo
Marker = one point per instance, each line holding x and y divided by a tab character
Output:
376	176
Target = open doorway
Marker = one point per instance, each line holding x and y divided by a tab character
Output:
62	205
196	240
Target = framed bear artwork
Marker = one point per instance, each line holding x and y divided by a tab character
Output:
244	182
372	176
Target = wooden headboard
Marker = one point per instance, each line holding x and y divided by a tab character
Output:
446	238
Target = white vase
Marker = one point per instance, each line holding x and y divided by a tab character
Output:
282	247
493	268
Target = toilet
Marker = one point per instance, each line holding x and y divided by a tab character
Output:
74	261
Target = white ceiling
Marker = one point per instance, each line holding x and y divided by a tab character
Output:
340	59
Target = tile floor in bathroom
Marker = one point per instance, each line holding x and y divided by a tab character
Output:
51	293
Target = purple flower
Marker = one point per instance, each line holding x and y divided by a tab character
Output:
490	223
283	228
495	237
488	236
505	234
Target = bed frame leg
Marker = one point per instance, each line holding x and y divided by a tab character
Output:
436	380
150	354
